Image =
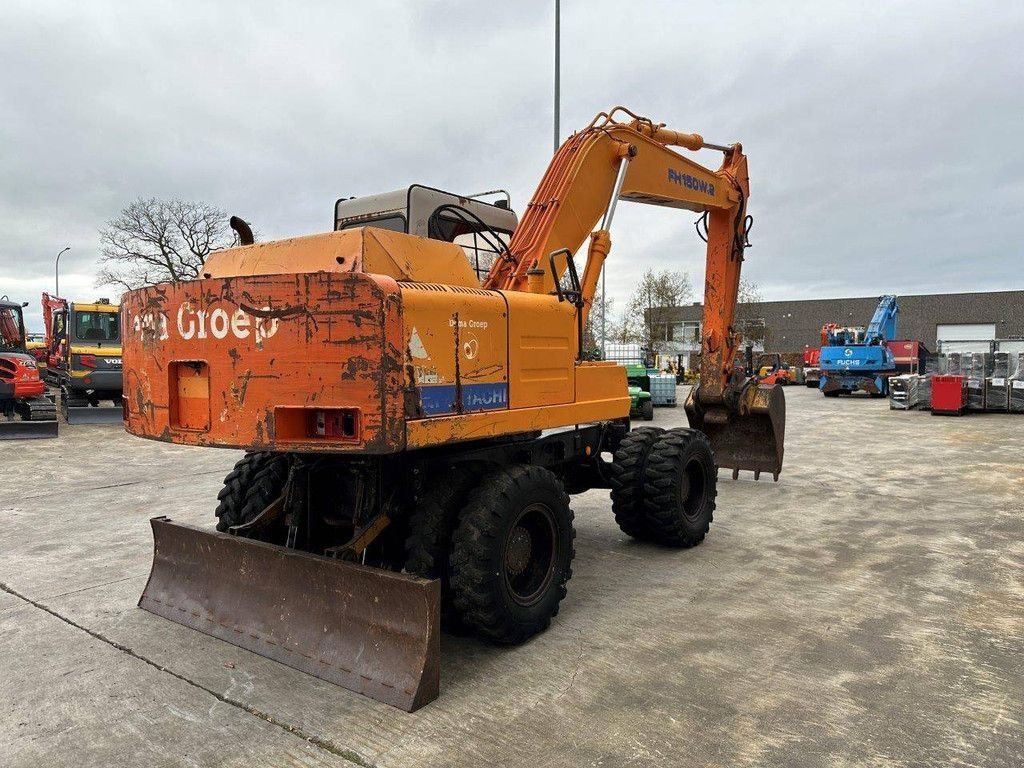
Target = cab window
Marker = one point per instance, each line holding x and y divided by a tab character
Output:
10	329
96	326
393	223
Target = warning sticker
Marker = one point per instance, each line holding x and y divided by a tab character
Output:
416	348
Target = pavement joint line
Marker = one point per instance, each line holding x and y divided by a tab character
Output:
324	744
119	485
95	586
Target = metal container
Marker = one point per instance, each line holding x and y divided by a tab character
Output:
949	395
663	389
908	355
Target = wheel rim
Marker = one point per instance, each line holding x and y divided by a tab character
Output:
693	488
530	554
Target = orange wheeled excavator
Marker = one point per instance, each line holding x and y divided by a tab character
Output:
411	394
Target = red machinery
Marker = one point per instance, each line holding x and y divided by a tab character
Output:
909	355
949	395
25	411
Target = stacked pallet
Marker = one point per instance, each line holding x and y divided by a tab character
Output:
899	393
977	370
997	386
1016	390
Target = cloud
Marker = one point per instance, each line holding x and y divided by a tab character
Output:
881	137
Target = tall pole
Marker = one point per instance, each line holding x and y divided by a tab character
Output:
558	45
56	271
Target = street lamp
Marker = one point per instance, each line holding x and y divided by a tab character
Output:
558	45
56	271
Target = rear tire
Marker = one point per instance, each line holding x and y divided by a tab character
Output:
512	554
257	480
431	528
627	478
647	409
680	486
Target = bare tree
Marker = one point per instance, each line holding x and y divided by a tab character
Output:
750	313
154	241
601	325
651	307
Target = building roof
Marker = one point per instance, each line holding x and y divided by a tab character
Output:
794	325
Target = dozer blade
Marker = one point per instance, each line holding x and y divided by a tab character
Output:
748	436
87	415
27	430
372	631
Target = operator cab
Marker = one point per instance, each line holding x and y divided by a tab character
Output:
483	229
12	327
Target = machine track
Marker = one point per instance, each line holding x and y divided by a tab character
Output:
37	409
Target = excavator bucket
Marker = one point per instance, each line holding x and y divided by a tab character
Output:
747	436
372	631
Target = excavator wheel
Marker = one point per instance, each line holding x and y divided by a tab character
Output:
431	527
627	474
647	409
680	485
512	554
257	480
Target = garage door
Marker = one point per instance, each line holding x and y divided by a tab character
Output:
965	337
1013	346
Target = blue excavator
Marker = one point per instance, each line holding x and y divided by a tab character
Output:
857	359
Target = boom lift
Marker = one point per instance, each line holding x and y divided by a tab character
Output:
83	358
855	359
414	430
25	411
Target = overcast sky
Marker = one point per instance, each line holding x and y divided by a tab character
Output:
883	138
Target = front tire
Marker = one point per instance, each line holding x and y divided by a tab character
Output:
647	409
680	486
627	478
431	528
512	554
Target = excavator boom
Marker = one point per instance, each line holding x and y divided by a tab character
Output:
633	160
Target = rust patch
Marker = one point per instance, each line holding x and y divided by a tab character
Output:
356	365
458	373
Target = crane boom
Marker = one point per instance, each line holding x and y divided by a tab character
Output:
882	327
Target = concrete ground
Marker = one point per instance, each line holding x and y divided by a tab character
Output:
868	609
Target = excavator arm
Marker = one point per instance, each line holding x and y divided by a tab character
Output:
633	160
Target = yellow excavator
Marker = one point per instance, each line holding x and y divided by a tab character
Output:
416	412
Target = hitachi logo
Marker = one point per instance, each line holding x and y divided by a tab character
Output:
691	182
